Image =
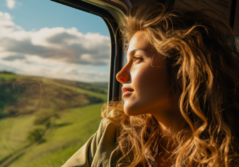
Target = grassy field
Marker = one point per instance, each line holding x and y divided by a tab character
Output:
69	113
8	77
71	131
13	134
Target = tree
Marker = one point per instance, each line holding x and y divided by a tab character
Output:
46	117
35	135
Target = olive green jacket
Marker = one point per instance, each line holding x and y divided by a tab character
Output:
99	150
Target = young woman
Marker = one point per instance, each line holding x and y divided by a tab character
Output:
180	95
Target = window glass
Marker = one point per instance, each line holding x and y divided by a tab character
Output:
54	72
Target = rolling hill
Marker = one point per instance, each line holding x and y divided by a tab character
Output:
67	113
26	95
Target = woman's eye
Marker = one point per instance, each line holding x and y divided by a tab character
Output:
137	59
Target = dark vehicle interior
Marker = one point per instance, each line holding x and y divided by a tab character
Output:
55	136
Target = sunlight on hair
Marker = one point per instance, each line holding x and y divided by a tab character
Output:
204	70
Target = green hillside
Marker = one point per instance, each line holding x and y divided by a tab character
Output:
70	132
25	95
44	121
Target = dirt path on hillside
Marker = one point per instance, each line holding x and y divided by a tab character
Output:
21	152
16	155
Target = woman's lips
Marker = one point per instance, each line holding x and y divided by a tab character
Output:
127	93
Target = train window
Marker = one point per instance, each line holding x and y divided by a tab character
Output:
54	72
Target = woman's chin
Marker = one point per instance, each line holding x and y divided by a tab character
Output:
131	112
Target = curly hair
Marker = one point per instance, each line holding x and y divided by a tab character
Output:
203	65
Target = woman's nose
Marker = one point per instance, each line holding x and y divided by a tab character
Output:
122	76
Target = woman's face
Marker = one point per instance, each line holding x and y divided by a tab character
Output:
150	83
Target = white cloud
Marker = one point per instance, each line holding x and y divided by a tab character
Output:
11	3
52	51
66	45
7	26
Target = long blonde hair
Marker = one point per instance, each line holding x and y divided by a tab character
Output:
203	63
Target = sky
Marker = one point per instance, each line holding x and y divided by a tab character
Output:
47	39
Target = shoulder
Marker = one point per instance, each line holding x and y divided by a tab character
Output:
104	125
97	149
107	132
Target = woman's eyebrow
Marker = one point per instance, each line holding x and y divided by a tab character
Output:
133	51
